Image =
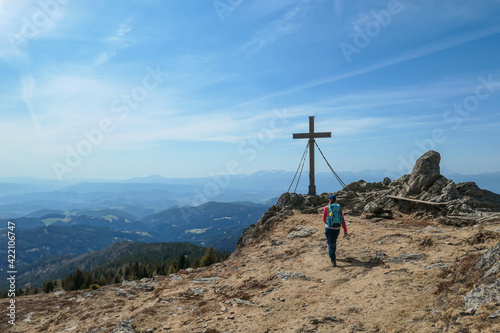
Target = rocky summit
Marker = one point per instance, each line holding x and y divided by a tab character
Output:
423	255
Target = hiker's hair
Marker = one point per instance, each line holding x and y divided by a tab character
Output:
332	198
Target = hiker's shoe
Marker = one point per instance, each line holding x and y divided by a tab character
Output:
334	263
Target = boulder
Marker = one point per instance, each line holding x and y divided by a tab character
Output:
197	291
425	172
406	257
372	209
285	275
122	292
126	283
363	186
245	237
174	277
378	258
489	258
440	265
482	295
277	242
470	189
145	286
243	302
301	231
478	198
493	271
124	327
289	200
441	190
315	200
212	279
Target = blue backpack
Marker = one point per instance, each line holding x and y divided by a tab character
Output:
334	216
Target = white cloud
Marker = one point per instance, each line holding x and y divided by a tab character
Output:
118	38
286	25
117	41
103	58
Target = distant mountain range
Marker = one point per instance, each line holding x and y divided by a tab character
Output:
142	196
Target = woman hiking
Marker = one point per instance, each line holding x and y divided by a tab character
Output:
333	219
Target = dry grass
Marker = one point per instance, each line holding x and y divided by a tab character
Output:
484	236
426	242
461	276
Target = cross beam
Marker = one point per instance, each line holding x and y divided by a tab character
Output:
311	136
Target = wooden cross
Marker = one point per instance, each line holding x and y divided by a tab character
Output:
311	136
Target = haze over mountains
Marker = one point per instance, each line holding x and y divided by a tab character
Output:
142	196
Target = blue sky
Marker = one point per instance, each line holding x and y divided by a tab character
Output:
117	89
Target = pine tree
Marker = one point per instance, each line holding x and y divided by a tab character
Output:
209	258
162	270
171	269
102	280
48	286
196	263
181	262
68	283
88	280
135	271
116	279
78	279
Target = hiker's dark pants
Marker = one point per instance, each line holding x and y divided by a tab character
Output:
331	238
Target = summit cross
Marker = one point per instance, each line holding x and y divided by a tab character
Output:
311	136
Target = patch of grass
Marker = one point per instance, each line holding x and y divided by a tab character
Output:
483	236
460	276
149	311
426	242
250	283
94	287
458	279
417	223
53	220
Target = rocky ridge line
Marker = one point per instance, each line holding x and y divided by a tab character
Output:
435	197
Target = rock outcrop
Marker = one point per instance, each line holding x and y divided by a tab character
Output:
423	194
287	203
425	172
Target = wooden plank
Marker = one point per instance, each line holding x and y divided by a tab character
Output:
315	135
418	201
301	135
323	134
